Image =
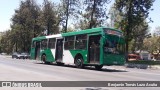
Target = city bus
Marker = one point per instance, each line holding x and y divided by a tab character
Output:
91	47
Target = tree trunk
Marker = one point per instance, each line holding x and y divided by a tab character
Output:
127	48
48	27
16	46
128	28
67	10
158	58
34	28
93	11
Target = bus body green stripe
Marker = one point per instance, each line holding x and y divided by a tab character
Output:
49	55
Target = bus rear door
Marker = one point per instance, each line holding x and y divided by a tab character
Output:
59	50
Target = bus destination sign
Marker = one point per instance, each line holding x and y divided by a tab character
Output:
107	31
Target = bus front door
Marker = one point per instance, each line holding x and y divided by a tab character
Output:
94	49
59	50
35	51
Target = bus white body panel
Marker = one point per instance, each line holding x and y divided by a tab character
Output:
67	57
54	36
53	52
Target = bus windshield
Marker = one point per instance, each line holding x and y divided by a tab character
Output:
114	45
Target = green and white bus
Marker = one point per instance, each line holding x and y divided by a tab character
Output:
91	47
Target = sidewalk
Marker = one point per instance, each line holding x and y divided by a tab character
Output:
154	66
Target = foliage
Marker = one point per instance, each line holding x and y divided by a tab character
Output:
152	44
134	13
145	62
82	24
95	12
29	20
138	38
25	25
49	17
115	18
157	31
69	8
5	42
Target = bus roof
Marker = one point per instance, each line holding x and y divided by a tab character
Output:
92	30
38	38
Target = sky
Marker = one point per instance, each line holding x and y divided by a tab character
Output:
7	8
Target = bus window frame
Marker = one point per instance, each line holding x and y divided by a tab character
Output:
34	44
81	40
42	47
53	43
67	41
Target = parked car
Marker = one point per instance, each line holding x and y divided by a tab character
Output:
20	56
16	55
24	56
3	53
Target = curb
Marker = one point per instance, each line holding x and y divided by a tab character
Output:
154	66
142	66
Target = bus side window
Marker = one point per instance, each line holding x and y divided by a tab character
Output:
33	44
81	42
107	44
69	43
51	43
44	44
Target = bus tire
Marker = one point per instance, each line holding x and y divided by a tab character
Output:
44	59
79	62
98	67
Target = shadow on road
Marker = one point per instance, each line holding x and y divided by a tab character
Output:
86	68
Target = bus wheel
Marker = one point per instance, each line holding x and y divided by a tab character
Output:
44	59
79	62
98	67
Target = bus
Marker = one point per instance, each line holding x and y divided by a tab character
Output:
91	47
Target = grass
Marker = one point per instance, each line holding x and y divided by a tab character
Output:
144	62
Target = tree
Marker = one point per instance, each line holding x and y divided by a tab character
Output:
25	25
152	45
69	8
95	11
138	38
134	13
115	18
6	43
157	31
29	21
82	24
48	18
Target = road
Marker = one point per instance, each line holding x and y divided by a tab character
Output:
31	70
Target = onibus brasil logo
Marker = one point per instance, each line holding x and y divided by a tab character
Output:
21	84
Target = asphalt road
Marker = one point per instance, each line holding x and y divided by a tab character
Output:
31	70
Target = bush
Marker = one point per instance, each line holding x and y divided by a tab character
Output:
144	62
